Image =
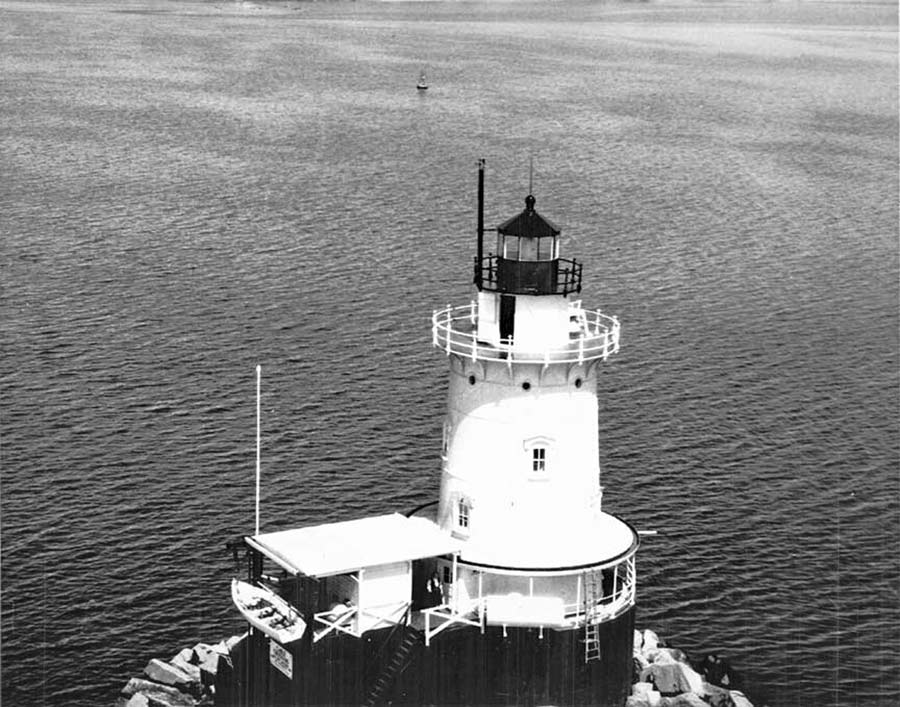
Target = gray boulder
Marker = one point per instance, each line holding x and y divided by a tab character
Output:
189	669
645	692
740	699
158	695
233	641
185	655
138	699
663	656
201	652
186	679
678	655
673	679
166	673
717	696
206	658
688	699
651	641
638	665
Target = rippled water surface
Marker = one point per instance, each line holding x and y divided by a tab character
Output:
189	189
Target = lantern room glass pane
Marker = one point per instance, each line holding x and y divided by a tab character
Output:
545	248
528	249
510	247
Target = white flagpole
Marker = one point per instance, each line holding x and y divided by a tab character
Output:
258	376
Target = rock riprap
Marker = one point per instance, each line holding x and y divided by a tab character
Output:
187	680
665	677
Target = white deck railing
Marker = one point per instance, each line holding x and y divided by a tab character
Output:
474	612
612	605
593	335
445	615
348	621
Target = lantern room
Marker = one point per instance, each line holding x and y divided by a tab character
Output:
527	260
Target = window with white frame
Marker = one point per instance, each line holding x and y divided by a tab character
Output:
539	456
539	460
463	509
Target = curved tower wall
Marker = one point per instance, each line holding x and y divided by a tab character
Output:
522	455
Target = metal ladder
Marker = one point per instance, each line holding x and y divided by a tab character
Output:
591	629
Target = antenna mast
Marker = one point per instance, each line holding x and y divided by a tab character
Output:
479	259
258	375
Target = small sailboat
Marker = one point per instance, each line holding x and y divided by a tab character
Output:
267	611
423	83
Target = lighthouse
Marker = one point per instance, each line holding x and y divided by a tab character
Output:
515	586
520	479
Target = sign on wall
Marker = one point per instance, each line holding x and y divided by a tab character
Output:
281	659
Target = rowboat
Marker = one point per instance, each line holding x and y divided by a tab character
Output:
267	611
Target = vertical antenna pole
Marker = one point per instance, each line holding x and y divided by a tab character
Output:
258	376
480	257
530	173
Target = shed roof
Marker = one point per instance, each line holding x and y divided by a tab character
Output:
348	546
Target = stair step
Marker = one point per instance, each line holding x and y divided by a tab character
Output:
393	667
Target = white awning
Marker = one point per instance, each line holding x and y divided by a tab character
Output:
340	548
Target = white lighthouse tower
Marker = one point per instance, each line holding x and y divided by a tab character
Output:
520	480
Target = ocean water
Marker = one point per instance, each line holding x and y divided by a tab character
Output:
190	189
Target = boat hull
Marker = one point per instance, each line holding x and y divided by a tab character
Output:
518	666
272	615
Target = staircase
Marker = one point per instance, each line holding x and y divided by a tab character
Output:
591	629
394	666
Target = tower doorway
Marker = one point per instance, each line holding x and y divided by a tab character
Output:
507	316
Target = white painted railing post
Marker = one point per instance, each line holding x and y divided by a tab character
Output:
448	325
578	596
616	581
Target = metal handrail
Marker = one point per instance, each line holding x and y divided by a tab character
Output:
454	330
566	275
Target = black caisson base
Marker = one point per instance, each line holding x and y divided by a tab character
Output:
462	666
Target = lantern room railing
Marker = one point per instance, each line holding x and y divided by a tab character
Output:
528	277
592	335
